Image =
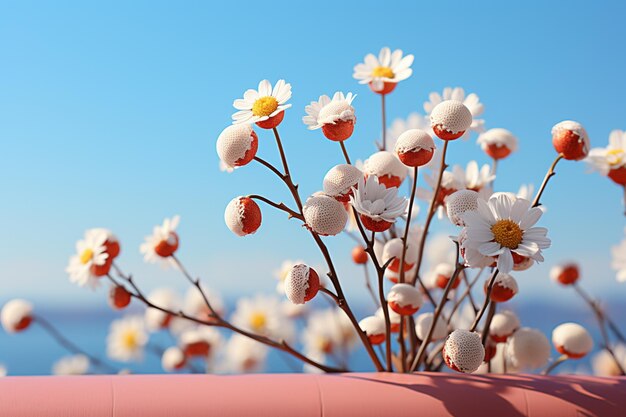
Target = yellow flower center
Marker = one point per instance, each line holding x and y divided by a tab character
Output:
86	256
507	233
383	72
129	340
264	106
257	321
615	156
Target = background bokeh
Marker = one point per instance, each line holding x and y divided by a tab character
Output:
109	114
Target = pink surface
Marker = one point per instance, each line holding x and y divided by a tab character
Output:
361	395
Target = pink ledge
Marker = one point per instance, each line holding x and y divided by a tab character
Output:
361	395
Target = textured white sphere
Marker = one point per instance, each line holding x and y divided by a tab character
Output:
340	179
385	163
301	284
459	203
463	351
404	299
452	116
503	325
324	215
234	143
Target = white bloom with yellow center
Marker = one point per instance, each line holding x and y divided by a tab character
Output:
324	332
613	156
263	315
329	111
389	67
162	241
471	101
474	178
262	104
71	365
90	253
504	225
619	260
127	339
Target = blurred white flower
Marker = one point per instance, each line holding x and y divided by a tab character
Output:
165	298
244	354
127	339
196	306
162	243
71	365
611	161
471	101
603	363
263	315
619	260
281	273
90	262
399	126
473	178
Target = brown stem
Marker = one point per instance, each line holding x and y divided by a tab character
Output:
70	346
431	213
218	321
490	314
549	175
479	316
554	364
345	152
408	225
369	286
384	114
444	298
279	206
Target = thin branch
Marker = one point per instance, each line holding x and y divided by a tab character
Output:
479	316
279	206
71	346
345	152
554	364
549	175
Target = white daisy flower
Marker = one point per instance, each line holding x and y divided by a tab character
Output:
71	365
399	126
378	206
245	355
195	305
619	260
162	243
526	191
91	261
471	101
165	298
323	332
503	226
473	178
264	106
334	116
384	72
263	315
611	161
449	185
201	341
127	339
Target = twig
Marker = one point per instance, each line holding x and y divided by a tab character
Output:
554	364
408	225
479	316
70	346
280	206
345	152
549	175
369	286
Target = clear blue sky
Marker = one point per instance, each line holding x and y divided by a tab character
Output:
109	115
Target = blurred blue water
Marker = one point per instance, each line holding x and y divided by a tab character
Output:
33	352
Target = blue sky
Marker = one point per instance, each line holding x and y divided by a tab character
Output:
109	115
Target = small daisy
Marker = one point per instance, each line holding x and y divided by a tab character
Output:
503	226
335	117
449	185
263	315
165	298
162	243
378	206
471	101
201	341
245	355
265	106
611	161
91	261
383	73
127	339
195	305
71	365
323	332
399	126
619	260
473	178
